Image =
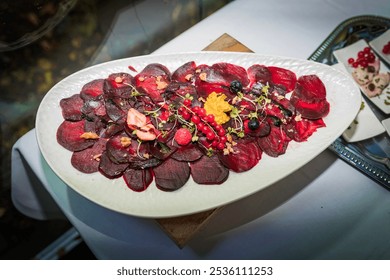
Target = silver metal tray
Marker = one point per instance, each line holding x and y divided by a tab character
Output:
361	27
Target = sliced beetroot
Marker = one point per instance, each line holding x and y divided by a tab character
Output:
308	110
119	148
184	73
310	89
275	143
138	179
71	107
208	171
189	153
153	80
109	168
259	74
284	77
92	89
120	80
171	175
223	74
301	130
87	160
69	136
245	157
116	113
93	109
114	90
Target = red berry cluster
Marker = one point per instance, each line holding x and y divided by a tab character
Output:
364	57
214	133
386	48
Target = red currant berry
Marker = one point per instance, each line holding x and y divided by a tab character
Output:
351	60
202	112
217	127
186	115
196	109
195	119
360	54
187	102
222	139
367	50
210	135
220	146
214	144
209	118
200	126
206	129
221	132
355	64
364	63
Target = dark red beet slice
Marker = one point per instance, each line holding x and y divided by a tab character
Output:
119	148
223	74
315	110
245	157
153	80
109	168
259	73
138	179
310	89
185	72
92	89
120	80
284	77
275	143
69	136
87	160
208	171
187	153
171	174
71	107
303	129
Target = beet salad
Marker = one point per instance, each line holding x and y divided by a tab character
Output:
200	121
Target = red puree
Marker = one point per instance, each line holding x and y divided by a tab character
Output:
201	121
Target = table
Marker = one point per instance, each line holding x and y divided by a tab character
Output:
325	210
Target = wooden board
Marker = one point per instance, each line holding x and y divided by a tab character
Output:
182	229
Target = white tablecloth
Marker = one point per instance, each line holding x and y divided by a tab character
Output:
325	210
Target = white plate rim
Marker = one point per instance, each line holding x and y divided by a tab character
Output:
343	95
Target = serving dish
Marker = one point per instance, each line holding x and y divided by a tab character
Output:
343	95
367	27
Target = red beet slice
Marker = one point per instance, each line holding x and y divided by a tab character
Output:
119	148
171	175
153	80
69	136
308	110
208	171
138	179
284	77
301	130
184	73
310	89
109	168
87	160
71	107
245	157
259	73
92	89
187	153
275	143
